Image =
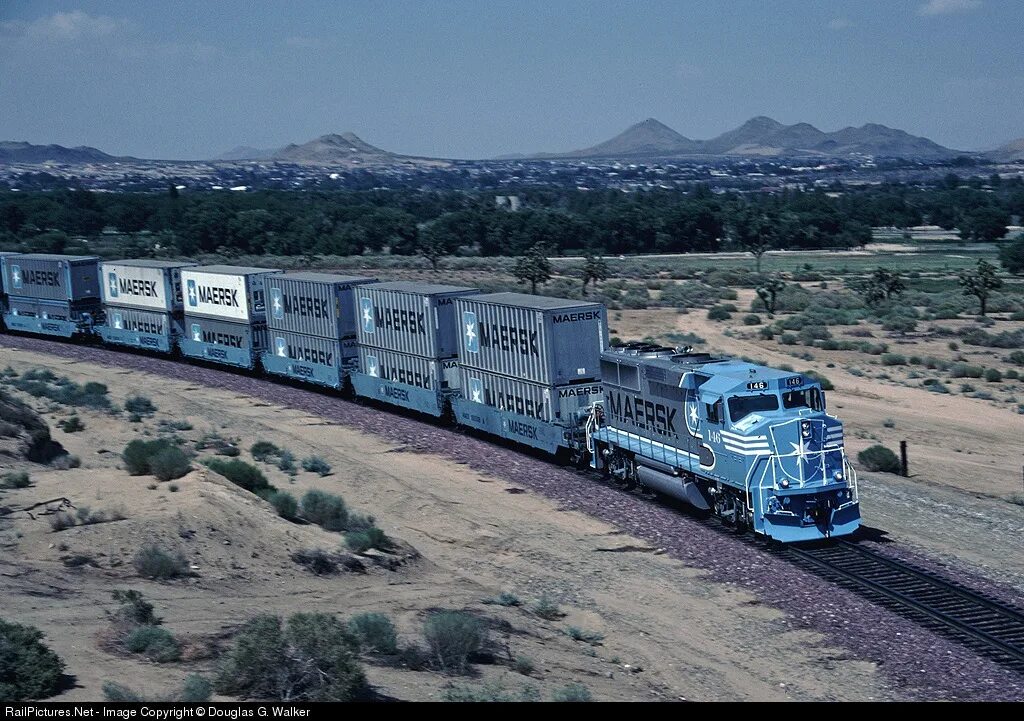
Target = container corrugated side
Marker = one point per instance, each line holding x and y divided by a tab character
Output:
138	321
136	285
241	336
66	278
551	346
545	402
408	322
223	295
310	349
433	375
314	307
5	257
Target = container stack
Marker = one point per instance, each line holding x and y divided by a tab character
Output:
52	294
529	365
225	313
408	340
312	324
142	302
4	255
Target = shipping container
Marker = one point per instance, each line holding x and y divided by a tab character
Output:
540	415
221	341
226	292
146	283
5	256
147	329
52	317
325	361
53	277
318	304
414	318
545	340
399	379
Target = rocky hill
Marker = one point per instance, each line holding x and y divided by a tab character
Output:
21	152
1013	150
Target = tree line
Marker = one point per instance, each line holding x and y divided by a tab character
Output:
435	224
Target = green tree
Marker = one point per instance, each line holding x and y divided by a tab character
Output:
433	243
1011	256
595	269
768	292
756	234
882	285
533	267
984	224
981	282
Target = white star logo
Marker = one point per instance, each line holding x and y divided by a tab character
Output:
372	370
693	413
117	322
196	335
17	277
192	294
277	302
367	317
800	450
476	396
470	333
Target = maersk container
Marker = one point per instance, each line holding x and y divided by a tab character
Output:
545	340
145	283
319	304
151	330
399	379
414	318
325	361
220	341
41	276
5	256
226	292
52	317
544	402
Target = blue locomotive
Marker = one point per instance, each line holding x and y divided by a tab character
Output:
752	444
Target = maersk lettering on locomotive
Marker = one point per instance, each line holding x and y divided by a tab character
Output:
50	278
574	391
508	338
640	413
573	317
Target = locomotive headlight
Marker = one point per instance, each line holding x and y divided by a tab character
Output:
805	429
838	475
784	483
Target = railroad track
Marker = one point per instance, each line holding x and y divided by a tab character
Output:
988	626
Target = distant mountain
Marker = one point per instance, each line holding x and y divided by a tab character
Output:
647	138
764	136
1013	150
19	152
333	150
246	152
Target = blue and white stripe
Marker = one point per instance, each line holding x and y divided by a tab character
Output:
745	445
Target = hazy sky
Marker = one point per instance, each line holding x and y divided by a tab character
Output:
478	78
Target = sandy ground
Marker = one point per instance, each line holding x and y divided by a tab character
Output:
477	537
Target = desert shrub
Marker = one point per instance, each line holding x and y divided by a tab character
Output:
504	599
264	451
71	424
325	509
965	370
1012	374
453	636
547	608
361	541
316	464
28	668
490	692
879	458
992	375
766	332
809	334
938	387
242	474
285	504
133	609
893	359
118	693
65	462
825	383
139	405
751	319
579	634
195	689
524	665
572	693
789	339
151	561
688	295
155	643
15	479
138	454
310	658
286	462
61	521
375	632
635	298
719	312
170	463
316	560
1006	339
1017	357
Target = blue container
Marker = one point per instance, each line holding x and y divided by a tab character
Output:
235	344
51	317
324	361
422	400
141	329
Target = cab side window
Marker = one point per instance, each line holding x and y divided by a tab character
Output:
714	411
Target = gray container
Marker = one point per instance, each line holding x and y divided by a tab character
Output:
226	292
414	318
332	352
5	255
545	340
318	304
148	284
138	321
53	277
544	402
410	370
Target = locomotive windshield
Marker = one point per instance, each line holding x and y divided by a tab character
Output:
742	406
807	398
